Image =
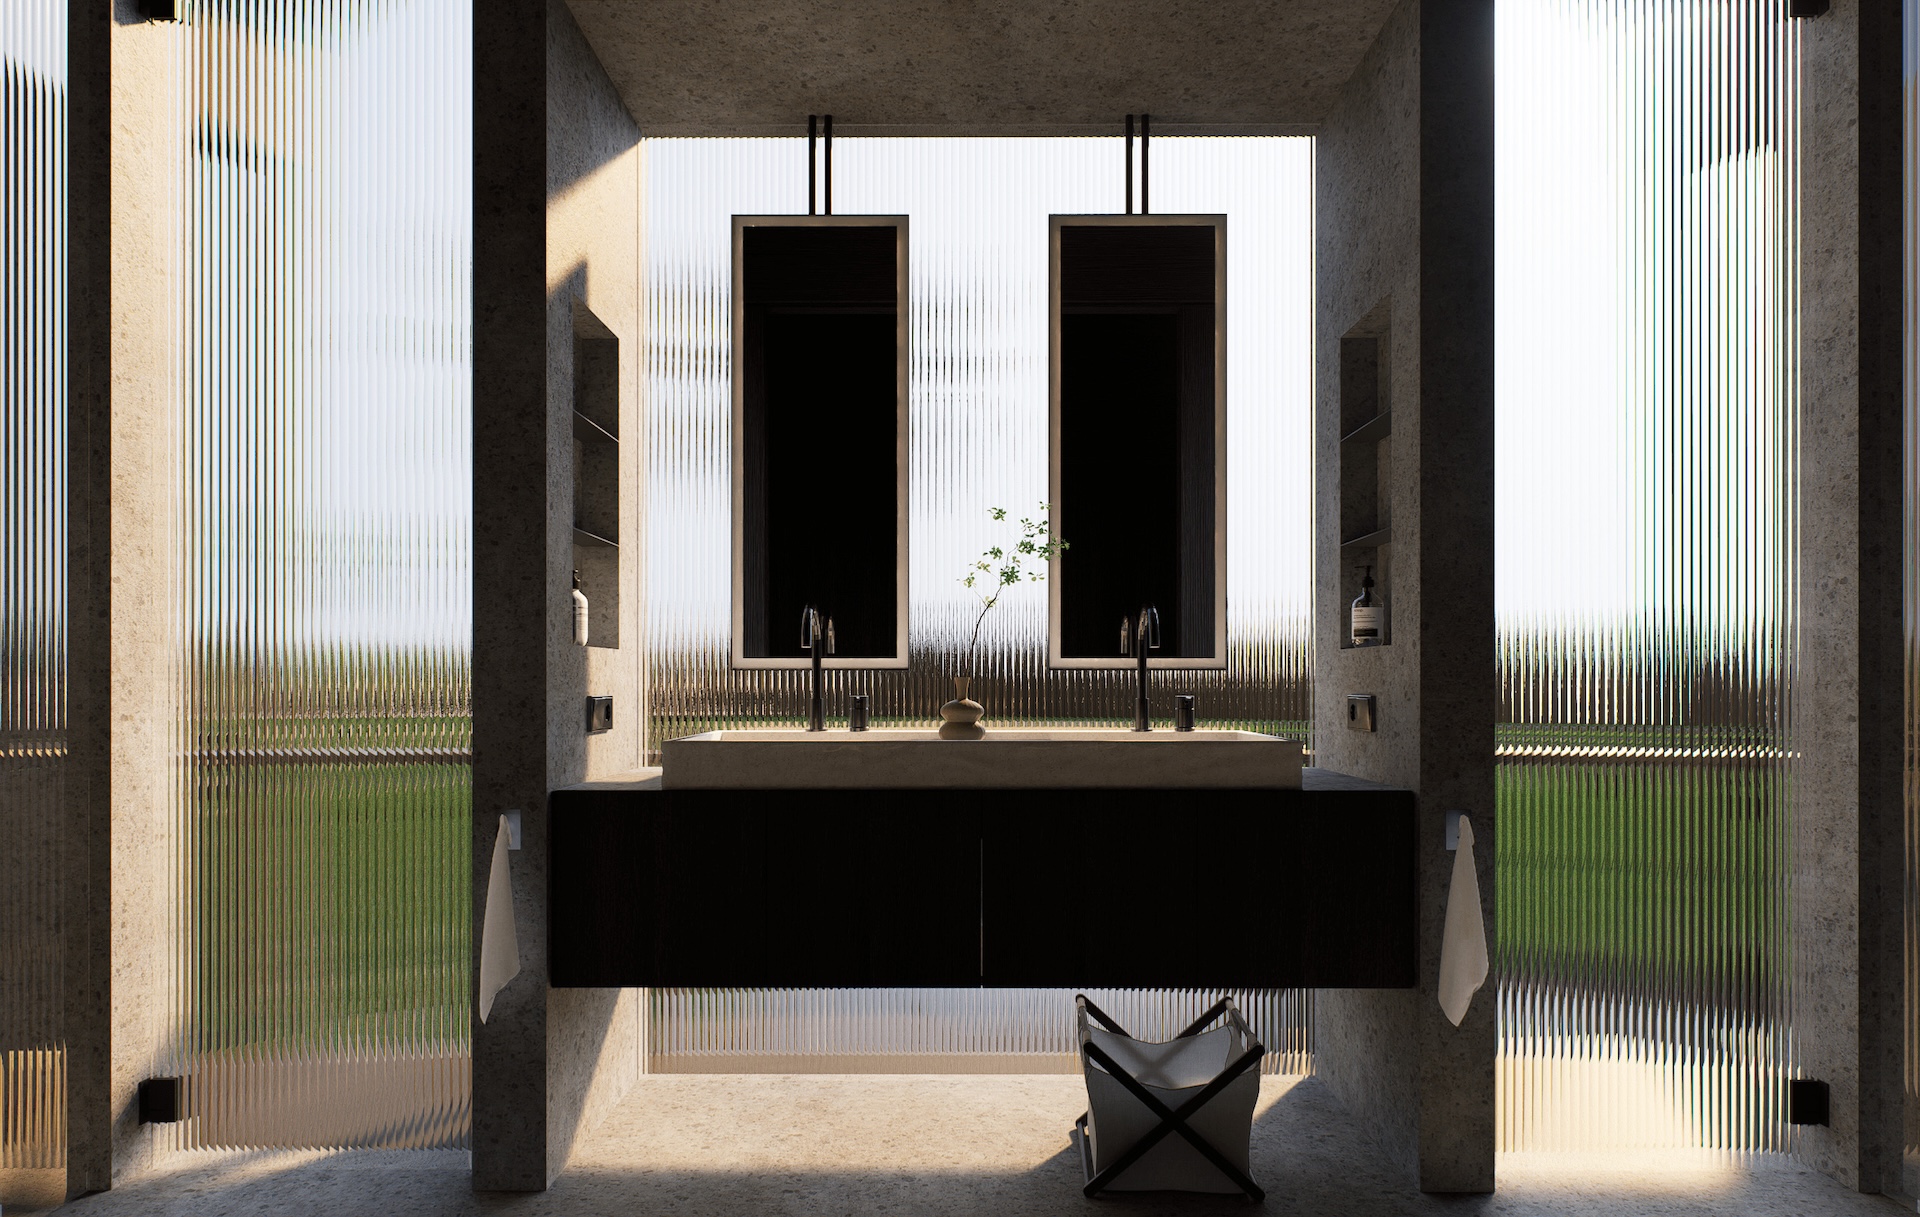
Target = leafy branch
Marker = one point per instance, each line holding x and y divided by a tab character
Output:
1000	568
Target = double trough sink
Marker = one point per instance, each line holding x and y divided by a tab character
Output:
1012	759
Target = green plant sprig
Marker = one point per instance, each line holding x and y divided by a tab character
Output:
1000	568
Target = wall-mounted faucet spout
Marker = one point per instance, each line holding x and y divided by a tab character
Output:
816	637
1137	637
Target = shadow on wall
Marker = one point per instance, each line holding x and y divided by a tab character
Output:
577	105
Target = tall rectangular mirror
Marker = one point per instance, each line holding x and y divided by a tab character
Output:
1138	431
820	438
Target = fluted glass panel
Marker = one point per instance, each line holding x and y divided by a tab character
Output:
33	609
322	794
1648	522
978	210
940	1030
977	414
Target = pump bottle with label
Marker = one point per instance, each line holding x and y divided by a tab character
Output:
1369	615
579	612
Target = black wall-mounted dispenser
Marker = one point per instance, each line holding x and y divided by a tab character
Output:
160	1101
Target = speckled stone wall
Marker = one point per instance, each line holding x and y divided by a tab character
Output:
593	260
1367	259
1849	849
1405	216
556	209
595	1038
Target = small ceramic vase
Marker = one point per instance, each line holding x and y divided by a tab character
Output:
960	718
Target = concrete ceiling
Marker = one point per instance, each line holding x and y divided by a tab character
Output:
978	67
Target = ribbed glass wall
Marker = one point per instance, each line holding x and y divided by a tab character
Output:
978	211
33	609
940	1030
978	413
1648	522
322	790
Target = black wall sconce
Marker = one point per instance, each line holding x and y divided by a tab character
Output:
1807	8
1808	1101
160	10
159	1101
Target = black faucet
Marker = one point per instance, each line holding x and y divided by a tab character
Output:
816	636
1137	637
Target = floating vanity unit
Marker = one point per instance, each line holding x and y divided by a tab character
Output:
1088	759
893	858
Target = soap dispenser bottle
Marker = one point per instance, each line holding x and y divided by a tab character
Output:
579	612
1369	615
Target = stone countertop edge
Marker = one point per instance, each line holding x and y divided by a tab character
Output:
632	779
649	779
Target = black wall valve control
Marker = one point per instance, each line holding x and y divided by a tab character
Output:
1359	711
599	715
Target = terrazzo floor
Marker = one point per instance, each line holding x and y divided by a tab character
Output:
732	1145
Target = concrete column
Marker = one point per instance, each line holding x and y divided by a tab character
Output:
134	453
1849	859
511	610
595	1037
556	206
85	864
1405	256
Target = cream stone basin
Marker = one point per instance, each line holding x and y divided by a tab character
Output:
1057	759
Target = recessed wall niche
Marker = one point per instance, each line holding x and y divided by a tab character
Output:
820	438
1138	422
596	473
1366	467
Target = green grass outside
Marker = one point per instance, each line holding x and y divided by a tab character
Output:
333	904
339	731
1645	871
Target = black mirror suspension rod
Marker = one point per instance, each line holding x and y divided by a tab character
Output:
1129	164
1144	136
829	170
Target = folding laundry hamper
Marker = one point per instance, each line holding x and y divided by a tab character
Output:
1173	1116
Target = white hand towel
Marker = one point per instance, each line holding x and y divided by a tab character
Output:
1463	950
499	944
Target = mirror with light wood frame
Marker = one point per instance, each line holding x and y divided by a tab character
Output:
820	438
1138	408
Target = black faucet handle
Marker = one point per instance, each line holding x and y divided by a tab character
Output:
829	635
1145	627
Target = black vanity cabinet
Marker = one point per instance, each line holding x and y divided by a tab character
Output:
713	888
1200	889
877	888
